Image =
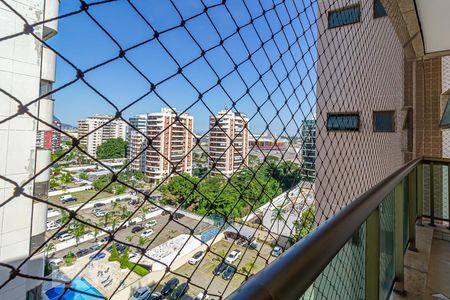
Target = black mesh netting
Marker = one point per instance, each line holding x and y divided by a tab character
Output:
303	95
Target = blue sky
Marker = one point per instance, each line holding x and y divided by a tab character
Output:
84	44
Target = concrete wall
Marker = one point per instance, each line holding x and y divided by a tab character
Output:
360	69
20	67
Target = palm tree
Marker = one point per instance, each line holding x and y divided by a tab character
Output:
114	205
106	218
142	241
78	232
144	210
114	221
130	238
277	216
49	248
65	217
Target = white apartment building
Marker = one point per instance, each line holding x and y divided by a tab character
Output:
27	71
137	142
228	142
172	142
91	139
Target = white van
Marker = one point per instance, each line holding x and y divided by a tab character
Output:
67	198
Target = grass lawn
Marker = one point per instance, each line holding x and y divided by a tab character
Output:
82	196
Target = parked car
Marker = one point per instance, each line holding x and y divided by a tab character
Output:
153	208
55	262
232	256
147	233
180	291
220	268
201	296
276	251
120	248
196	257
133	202
177	216
98	212
169	286
100	204
82	252
68	199
102	241
52	225
151	223
155	296
142	293
59	234
93	248
165	213
229	272
137	229
65	237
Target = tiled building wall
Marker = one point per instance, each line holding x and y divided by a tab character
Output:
428	135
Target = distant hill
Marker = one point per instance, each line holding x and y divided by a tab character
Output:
67	126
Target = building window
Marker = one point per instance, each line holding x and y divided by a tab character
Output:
445	120
343	121
378	9
44	88
345	16
384	121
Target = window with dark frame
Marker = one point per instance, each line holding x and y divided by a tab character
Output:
378	9
344	16
384	121
343	122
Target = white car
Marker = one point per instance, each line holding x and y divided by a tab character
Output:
201	296
196	257
52	225
142	293
55	262
65	237
276	251
99	212
232	256
151	223
147	233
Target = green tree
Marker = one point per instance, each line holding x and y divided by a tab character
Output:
65	217
124	261
112	148
50	247
78	232
248	266
130	238
119	189
305	225
84	176
278	216
114	253
142	241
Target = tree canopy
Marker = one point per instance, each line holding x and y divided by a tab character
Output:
248	188
112	148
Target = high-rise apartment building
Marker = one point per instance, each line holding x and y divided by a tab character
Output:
91	139
27	71
228	142
137	142
171	137
361	118
308	141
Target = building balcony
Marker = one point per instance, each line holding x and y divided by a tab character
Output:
48	64
51	12
393	242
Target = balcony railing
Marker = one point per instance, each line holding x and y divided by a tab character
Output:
358	253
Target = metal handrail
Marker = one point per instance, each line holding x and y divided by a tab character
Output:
295	271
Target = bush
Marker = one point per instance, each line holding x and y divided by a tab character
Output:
140	270
124	262
69	259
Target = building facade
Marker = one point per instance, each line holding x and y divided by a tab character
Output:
27	71
137	142
91	139
171	136
308	149
361	104
228	142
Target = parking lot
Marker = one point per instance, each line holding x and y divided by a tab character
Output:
164	230
201	274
